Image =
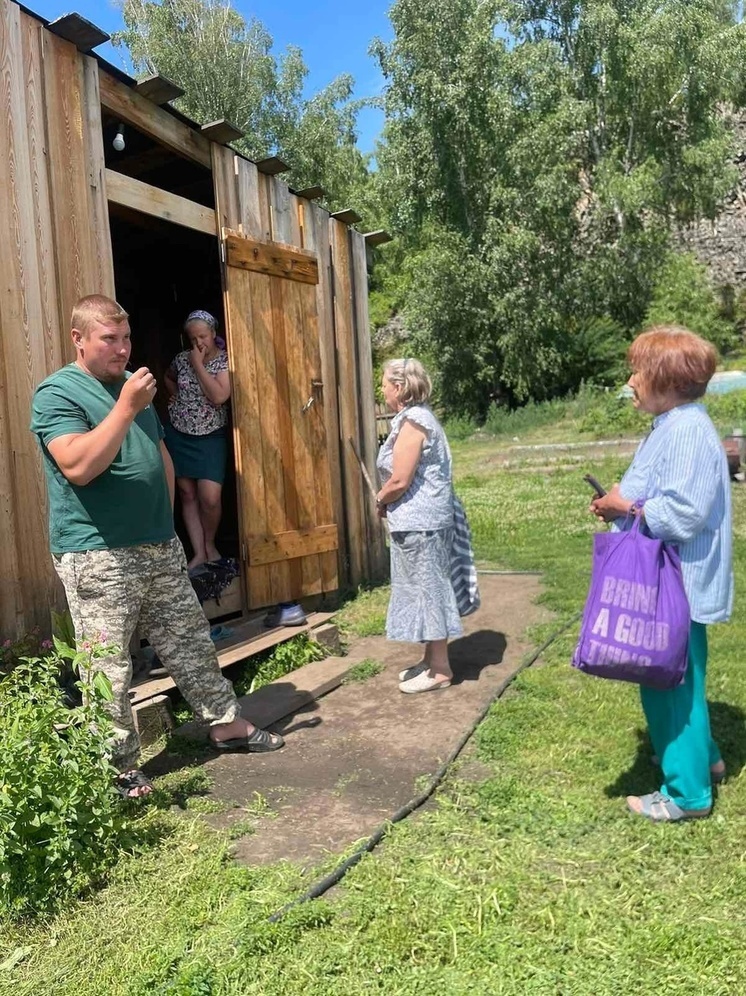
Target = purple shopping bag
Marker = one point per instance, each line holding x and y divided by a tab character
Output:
636	618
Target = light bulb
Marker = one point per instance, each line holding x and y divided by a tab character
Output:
118	142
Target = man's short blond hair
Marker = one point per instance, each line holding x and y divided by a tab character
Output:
97	308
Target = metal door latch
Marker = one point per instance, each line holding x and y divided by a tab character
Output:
307	405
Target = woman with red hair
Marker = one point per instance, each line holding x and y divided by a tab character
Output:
680	472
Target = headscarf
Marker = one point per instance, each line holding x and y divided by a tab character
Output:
208	319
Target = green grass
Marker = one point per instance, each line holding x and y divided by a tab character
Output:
590	415
364	615
262	669
537	520
362	671
531	882
734	360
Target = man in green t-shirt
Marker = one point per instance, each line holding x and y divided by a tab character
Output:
111	530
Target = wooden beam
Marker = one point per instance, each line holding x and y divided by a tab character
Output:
79	31
130	106
347	217
310	193
144	222
273	259
292	544
158	89
132	193
272	166
221	131
377	238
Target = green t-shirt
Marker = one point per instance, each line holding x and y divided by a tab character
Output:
126	505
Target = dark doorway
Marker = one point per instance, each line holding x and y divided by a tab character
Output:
163	272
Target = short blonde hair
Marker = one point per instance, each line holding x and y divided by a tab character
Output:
671	359
96	308
411	376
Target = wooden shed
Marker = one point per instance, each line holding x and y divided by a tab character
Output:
174	221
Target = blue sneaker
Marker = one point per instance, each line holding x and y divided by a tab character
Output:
286	614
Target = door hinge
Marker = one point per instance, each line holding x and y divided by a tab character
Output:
244	552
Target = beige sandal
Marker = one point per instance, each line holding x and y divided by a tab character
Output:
413	671
423	682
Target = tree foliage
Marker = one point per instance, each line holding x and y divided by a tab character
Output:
226	68
683	295
536	156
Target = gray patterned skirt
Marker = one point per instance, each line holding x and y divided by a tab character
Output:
423	604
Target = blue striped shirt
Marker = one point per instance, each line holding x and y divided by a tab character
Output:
681	471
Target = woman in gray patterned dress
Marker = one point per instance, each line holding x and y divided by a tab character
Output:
417	500
198	385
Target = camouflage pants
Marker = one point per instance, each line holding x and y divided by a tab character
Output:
114	591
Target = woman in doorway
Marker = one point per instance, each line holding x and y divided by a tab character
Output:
198	386
417	500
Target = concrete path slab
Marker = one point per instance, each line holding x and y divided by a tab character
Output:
355	756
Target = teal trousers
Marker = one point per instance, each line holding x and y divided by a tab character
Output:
679	725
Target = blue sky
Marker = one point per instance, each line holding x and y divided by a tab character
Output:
333	35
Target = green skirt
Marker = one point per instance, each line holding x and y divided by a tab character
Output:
201	458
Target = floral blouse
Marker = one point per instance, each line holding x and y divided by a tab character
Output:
190	411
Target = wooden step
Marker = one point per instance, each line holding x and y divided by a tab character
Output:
286	695
229	603
249	638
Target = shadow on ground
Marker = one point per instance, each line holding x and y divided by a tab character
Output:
472	653
728	723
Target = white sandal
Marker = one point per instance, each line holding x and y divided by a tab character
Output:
413	671
423	682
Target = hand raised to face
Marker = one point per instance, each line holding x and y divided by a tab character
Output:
138	390
198	353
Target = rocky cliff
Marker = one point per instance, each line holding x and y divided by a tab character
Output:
721	244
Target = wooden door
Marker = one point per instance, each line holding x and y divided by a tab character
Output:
289	536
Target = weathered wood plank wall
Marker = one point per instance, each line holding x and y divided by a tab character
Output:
367	555
349	419
378	562
54	247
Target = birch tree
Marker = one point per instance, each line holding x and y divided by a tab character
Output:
227	69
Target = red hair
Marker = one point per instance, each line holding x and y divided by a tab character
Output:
671	359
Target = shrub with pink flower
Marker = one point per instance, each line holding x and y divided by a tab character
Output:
13	651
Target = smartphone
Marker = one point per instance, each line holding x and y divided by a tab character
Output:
590	479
